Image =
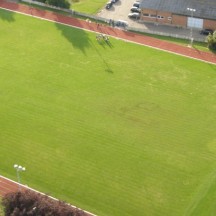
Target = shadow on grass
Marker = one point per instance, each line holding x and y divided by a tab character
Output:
77	37
7	15
103	44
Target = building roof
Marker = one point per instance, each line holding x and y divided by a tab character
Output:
204	8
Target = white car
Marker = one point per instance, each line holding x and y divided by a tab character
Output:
136	4
134	15
135	9
121	23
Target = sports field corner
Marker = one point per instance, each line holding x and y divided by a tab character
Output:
9	186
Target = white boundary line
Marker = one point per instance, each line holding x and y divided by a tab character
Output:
164	50
27	187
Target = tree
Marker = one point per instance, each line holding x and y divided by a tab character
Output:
57	3
211	40
30	203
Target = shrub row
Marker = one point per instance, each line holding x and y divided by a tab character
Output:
29	203
57	3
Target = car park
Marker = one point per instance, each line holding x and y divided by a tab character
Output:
135	9
109	5
134	15
206	31
121	23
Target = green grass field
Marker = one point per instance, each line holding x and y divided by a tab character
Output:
116	130
88	6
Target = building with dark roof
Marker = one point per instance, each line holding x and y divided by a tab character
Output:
186	13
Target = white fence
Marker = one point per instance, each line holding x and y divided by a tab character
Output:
164	34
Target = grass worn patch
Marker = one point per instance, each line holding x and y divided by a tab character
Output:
116	129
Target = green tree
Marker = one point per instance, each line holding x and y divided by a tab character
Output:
30	203
57	3
211	40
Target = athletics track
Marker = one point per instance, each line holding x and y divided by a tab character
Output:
113	32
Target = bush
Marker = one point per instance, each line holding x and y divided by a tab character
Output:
57	3
211	40
29	203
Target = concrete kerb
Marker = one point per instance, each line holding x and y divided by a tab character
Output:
53	198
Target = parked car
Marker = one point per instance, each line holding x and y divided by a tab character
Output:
206	31
121	23
109	5
136	4
134	15
114	1
135	9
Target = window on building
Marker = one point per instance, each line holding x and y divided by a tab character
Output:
146	15
153	16
160	17
169	18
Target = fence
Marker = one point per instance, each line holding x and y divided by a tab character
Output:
163	34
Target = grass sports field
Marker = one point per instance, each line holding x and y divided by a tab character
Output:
88	6
116	130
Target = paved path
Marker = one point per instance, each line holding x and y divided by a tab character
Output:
114	32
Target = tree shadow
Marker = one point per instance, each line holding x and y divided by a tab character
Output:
77	37
7	15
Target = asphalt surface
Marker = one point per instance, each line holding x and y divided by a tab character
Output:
121	9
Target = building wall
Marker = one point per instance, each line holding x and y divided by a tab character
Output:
179	20
171	19
156	16
164	17
148	15
210	24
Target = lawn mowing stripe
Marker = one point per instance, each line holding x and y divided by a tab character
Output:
113	141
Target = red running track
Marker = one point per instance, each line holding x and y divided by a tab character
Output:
7	186
114	32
